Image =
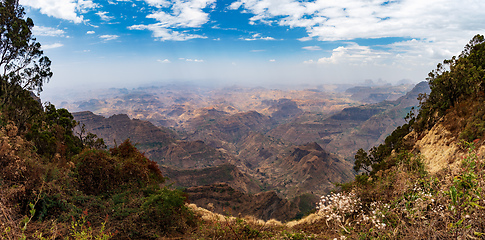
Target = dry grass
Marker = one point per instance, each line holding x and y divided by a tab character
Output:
401	203
8	223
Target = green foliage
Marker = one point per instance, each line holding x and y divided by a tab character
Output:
377	158
22	59
81	229
96	171
22	108
163	209
459	78
297	236
411	163
52	133
474	126
466	190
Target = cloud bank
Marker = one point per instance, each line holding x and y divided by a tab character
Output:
71	10
185	14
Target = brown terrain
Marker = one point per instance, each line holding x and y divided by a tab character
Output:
271	148
223	199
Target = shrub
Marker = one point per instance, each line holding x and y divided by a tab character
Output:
134	164
99	171
464	79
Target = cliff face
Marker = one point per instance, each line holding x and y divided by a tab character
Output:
352	128
158	143
225	173
118	128
307	168
223	199
252	152
443	146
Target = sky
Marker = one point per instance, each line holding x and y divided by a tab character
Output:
129	43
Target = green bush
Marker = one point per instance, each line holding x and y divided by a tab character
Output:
457	79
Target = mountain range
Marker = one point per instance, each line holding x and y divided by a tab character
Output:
284	145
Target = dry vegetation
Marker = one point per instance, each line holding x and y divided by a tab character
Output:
403	202
54	185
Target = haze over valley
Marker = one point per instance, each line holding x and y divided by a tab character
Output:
297	143
242	119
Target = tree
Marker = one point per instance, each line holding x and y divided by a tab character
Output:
362	161
454	80
23	66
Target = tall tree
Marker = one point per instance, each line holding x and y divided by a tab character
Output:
23	66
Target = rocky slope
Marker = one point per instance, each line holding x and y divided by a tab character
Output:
352	128
221	198
374	130
305	169
250	151
117	128
225	173
262	162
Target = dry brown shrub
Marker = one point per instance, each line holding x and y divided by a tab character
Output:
8	221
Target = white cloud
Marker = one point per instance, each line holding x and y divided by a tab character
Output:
109	37
47	31
403	55
51	46
312	48
185	14
158	3
71	10
194	60
104	16
350	19
165	34
440	27
257	36
90	32
354	54
272	60
164	61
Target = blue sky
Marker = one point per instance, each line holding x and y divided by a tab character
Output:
126	43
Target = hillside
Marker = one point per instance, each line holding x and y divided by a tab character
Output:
223	199
425	181
158	143
352	128
211	137
262	162
58	180
117	128
225	173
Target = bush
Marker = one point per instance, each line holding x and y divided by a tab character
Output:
165	210
96	171
465	79
134	164
99	171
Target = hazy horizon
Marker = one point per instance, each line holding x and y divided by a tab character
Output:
128	43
